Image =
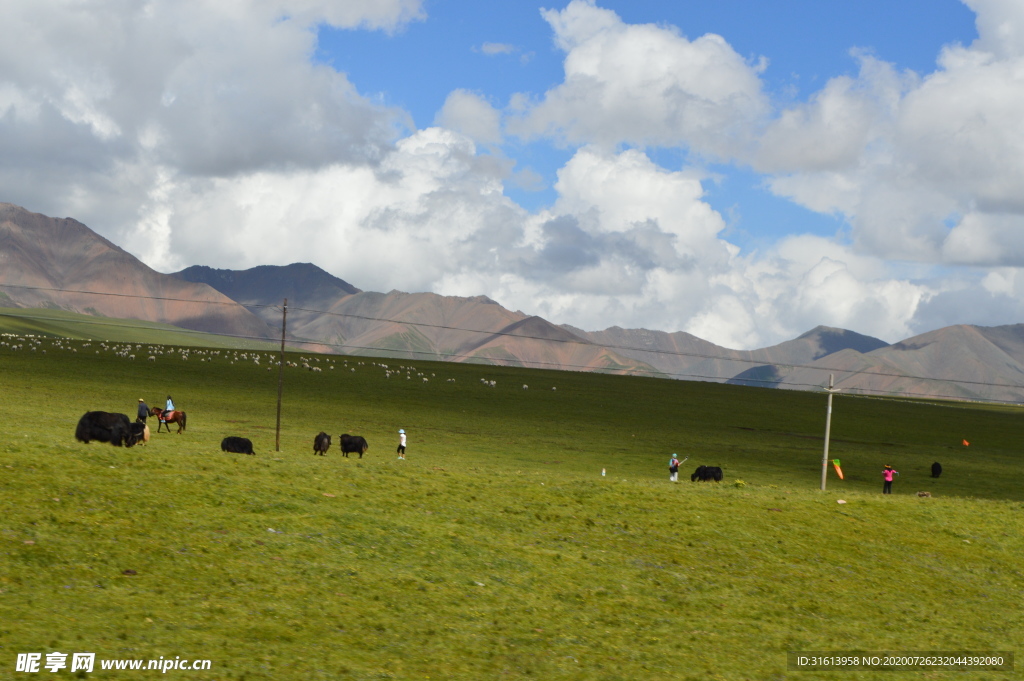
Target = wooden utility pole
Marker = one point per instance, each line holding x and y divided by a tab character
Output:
280	372
828	428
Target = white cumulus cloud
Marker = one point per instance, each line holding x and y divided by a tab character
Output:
929	167
471	114
109	95
644	85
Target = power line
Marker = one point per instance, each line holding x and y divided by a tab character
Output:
177	329
429	355
847	372
432	356
227	303
676	353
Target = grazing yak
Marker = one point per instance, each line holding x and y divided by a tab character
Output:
353	443
105	427
321	443
141	432
936	469
705	473
237	445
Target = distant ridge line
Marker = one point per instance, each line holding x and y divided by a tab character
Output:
575	339
62	264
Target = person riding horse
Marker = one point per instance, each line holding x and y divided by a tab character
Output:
168	416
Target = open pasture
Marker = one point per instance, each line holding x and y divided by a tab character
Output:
48	322
496	549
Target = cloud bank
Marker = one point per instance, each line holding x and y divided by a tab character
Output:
206	133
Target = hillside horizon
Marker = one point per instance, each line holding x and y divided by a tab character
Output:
58	262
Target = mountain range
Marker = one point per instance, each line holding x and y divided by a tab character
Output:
61	263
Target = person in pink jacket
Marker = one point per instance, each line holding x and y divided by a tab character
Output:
887	474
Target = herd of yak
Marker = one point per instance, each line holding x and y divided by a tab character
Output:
118	430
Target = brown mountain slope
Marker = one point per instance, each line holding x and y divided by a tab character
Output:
958	362
536	342
1009	339
330	315
39	255
683	355
677	355
46	262
452	328
815	344
263	289
423	325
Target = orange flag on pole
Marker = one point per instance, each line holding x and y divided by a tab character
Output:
839	471
966	443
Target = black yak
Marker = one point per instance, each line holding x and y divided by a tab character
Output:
141	432
936	469
321	443
237	445
705	473
353	443
104	426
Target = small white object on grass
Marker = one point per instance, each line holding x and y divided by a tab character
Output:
840	501
602	472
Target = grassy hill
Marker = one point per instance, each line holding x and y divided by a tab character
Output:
497	549
64	324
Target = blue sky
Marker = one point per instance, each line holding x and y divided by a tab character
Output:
742	171
806	42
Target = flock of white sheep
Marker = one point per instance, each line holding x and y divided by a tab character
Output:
259	359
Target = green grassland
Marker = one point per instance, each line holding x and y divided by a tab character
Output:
64	324
496	549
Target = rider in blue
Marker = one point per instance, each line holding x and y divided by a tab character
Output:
168	410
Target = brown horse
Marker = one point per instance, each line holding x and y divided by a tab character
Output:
176	416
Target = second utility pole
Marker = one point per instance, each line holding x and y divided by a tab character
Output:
828	427
280	371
